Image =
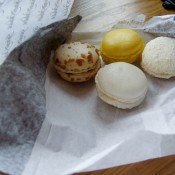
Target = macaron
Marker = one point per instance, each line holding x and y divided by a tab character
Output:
77	61
158	57
121	84
121	45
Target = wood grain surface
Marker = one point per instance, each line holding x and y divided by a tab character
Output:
159	166
123	8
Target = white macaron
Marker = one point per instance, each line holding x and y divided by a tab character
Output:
121	84
158	57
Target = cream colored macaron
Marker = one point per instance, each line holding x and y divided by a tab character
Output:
121	84
76	61
158	57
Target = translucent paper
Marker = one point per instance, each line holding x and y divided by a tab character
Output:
82	133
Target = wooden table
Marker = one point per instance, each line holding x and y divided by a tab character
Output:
160	166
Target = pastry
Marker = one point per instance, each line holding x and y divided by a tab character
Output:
77	61
158	58
121	84
121	45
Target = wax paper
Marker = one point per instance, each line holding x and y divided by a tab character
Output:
82	133
20	19
23	72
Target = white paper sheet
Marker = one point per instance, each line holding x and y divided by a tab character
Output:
82	133
20	19
161	25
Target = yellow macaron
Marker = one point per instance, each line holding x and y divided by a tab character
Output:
121	45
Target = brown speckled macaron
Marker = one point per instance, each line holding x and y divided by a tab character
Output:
77	61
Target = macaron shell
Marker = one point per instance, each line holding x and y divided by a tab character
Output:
121	45
121	42
158	58
76	57
122	82
62	69
130	59
117	103
80	77
126	81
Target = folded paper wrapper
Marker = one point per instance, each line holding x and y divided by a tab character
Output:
82	133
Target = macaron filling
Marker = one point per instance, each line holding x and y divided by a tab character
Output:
119	102
80	77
